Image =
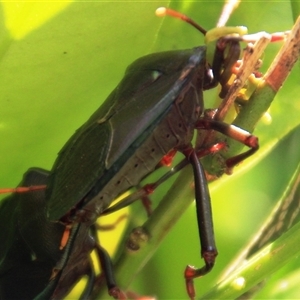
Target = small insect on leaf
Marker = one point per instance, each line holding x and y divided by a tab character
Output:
154	113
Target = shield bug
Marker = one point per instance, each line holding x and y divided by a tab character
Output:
40	259
101	151
154	110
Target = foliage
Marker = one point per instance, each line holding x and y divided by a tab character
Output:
59	68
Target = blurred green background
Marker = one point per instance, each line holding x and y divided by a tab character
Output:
60	60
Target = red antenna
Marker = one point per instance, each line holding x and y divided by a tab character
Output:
22	189
163	11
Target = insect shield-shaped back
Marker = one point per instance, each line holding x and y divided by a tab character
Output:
95	154
29	247
34	263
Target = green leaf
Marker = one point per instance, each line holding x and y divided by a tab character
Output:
58	64
60	67
271	258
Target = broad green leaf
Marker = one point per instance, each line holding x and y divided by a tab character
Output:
58	63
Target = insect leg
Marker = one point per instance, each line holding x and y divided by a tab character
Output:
90	283
149	188
235	133
107	269
205	224
222	66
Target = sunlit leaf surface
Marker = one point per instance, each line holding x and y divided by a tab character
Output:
58	63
